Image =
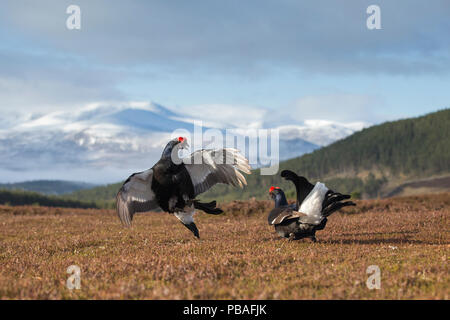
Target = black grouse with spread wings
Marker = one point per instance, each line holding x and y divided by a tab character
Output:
173	183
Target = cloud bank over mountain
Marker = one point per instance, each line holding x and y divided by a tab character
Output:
103	142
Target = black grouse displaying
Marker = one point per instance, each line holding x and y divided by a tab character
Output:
309	214
173	183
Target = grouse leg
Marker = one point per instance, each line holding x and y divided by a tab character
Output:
291	237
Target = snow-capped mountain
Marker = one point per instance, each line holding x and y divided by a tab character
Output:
320	132
105	142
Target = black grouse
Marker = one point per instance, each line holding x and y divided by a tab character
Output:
173	183
309	214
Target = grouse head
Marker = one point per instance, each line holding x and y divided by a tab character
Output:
278	196
175	145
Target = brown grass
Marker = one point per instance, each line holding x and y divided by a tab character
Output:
238	256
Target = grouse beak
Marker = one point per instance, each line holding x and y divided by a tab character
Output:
184	144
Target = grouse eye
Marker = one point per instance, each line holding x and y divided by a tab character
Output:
180	139
271	189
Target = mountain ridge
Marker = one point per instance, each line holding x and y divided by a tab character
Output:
366	181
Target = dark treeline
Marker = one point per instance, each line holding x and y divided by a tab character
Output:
102	196
417	147
16	198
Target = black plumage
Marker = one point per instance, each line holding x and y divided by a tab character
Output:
173	183
290	221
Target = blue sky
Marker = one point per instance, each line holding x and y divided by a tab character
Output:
298	59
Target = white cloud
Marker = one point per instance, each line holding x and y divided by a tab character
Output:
342	107
224	115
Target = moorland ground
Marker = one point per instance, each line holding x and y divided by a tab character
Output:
238	256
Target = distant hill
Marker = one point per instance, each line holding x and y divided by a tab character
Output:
370	163
48	187
18	198
103	196
373	162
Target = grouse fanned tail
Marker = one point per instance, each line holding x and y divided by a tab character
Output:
314	204
302	186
